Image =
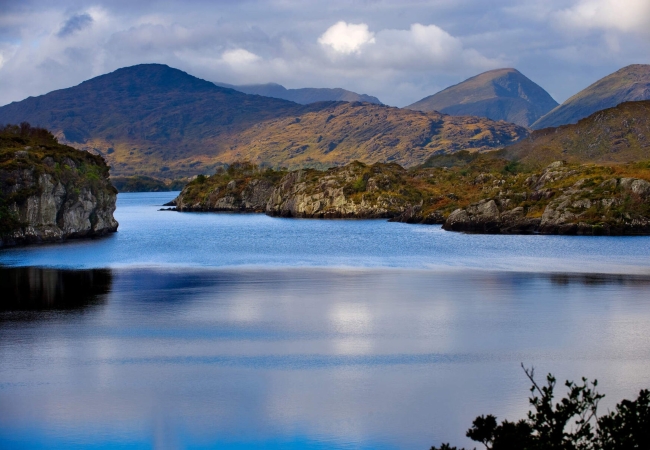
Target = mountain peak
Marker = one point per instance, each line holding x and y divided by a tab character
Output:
631	83
149	77
499	94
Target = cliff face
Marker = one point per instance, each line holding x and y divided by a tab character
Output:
50	192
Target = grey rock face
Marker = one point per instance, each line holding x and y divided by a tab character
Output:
55	212
293	198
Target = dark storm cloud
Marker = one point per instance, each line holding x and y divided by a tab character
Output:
397	51
75	23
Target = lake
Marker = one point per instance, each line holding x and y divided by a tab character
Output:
197	331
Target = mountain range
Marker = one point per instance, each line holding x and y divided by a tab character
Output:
304	96
154	120
501	94
631	83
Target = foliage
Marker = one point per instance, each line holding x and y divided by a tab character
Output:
571	423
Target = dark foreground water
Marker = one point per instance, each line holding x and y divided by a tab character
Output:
233	331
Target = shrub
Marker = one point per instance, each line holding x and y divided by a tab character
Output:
569	424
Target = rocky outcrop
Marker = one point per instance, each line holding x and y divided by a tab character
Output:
236	196
477	198
590	206
348	192
353	191
53	194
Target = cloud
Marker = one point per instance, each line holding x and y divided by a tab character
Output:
75	23
347	38
239	58
397	51
418	48
625	16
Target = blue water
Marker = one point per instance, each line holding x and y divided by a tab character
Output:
244	331
149	237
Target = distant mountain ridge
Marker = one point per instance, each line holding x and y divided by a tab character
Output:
631	83
304	96
153	120
501	94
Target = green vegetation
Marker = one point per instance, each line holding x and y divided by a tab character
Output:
569	424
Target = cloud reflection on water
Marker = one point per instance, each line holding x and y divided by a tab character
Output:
365	358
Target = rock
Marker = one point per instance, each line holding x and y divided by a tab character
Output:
482	217
636	186
48	206
344	193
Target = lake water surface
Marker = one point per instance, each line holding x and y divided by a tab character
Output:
243	331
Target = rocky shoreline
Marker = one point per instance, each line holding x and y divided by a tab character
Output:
560	199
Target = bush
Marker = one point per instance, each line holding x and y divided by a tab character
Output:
569	424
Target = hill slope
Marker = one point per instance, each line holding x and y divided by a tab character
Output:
157	121
630	83
502	94
303	96
615	135
338	133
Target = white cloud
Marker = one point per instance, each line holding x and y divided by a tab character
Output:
239	57
419	48
397	51
621	15
347	38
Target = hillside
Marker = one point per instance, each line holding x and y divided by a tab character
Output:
631	83
343	132
157	121
501	94
615	135
303	96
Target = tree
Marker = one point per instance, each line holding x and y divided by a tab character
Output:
569	424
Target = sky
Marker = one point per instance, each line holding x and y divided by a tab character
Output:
398	51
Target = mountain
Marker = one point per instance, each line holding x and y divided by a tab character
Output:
154	120
501	94
339	133
303	96
630	83
615	135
